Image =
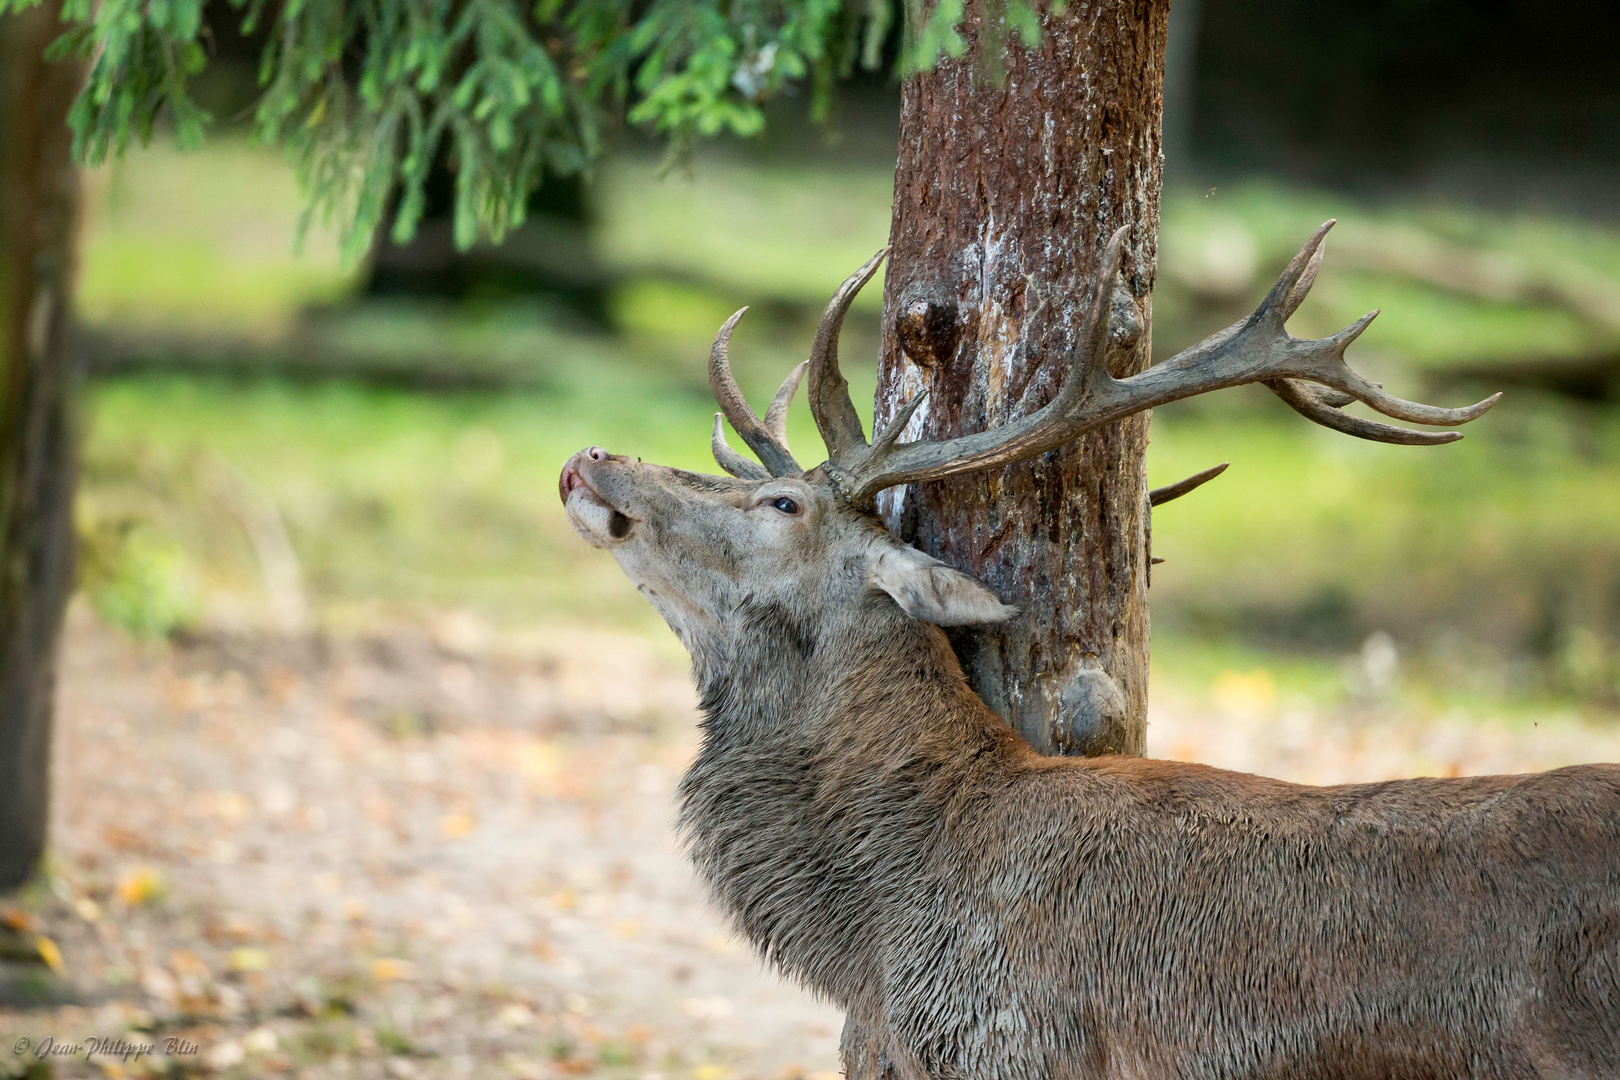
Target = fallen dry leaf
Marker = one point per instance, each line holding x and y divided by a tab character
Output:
122	838
230	927
284	683
389	969
49	953
455	826
157	982
515	1015
230	806
247	958
186	962
539	761
139	886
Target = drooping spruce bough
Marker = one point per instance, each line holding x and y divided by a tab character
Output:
985	912
368	94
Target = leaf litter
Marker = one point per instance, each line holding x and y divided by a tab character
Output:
417	852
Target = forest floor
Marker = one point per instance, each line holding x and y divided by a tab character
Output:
440	851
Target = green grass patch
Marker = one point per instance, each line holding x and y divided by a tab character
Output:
202	242
1496	559
1493	563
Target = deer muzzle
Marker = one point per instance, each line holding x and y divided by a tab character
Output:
596	519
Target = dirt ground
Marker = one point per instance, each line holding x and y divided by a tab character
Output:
439	851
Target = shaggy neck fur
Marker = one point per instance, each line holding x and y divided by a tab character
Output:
802	822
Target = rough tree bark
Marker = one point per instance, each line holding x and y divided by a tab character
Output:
38	204
1004	198
1005	195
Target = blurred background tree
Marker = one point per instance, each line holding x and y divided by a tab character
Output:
38	205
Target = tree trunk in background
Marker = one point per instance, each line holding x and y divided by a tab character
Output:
1004	198
38	202
1180	90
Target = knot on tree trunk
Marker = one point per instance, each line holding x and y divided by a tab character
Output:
928	324
1092	716
1125	325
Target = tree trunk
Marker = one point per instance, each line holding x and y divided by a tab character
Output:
1004	197
38	203
1003	200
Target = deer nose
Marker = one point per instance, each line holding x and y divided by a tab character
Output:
570	478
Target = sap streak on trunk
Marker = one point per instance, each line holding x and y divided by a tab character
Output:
38	203
1004	198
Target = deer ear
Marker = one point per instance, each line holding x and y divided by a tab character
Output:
929	590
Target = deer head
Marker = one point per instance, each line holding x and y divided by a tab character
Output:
712	553
707	550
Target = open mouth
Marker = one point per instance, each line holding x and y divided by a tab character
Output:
587	510
618	524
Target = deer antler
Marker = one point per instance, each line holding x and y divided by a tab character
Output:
768	439
836	418
1257	349
1161	495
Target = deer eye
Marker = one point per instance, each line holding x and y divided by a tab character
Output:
786	505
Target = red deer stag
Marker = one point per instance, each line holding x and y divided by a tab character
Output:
985	912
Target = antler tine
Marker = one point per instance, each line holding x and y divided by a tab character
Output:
897	424
830	404
1321	405
1089	353
1161	495
731	461
1295	282
776	415
1313	265
1257	349
1334	371
777	460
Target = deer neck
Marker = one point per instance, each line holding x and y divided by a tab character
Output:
830	756
773	679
